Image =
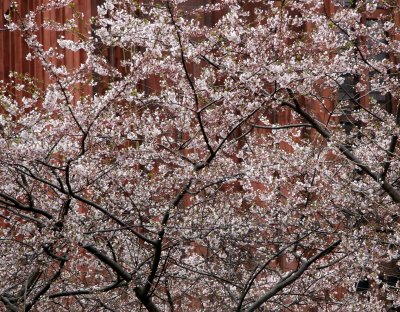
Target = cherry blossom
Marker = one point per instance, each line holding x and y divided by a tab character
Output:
243	162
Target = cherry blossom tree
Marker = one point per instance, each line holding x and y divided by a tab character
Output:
243	164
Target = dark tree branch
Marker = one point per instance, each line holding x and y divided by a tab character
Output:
63	212
77	292
119	270
143	292
201	165
100	208
386	165
47	285
69	192
169	297
190	81
9	305
257	271
11	201
179	197
84	133
111	216
48	249
208	274
146	301
282	127
321	129
292	277
39	223
30	283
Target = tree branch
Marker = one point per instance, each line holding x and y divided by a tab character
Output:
282	127
120	271
386	186
293	276
10	306
190	81
256	272
386	165
46	287
16	204
115	284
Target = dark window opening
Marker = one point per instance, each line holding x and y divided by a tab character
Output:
362	285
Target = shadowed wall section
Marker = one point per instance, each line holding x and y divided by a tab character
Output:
13	49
